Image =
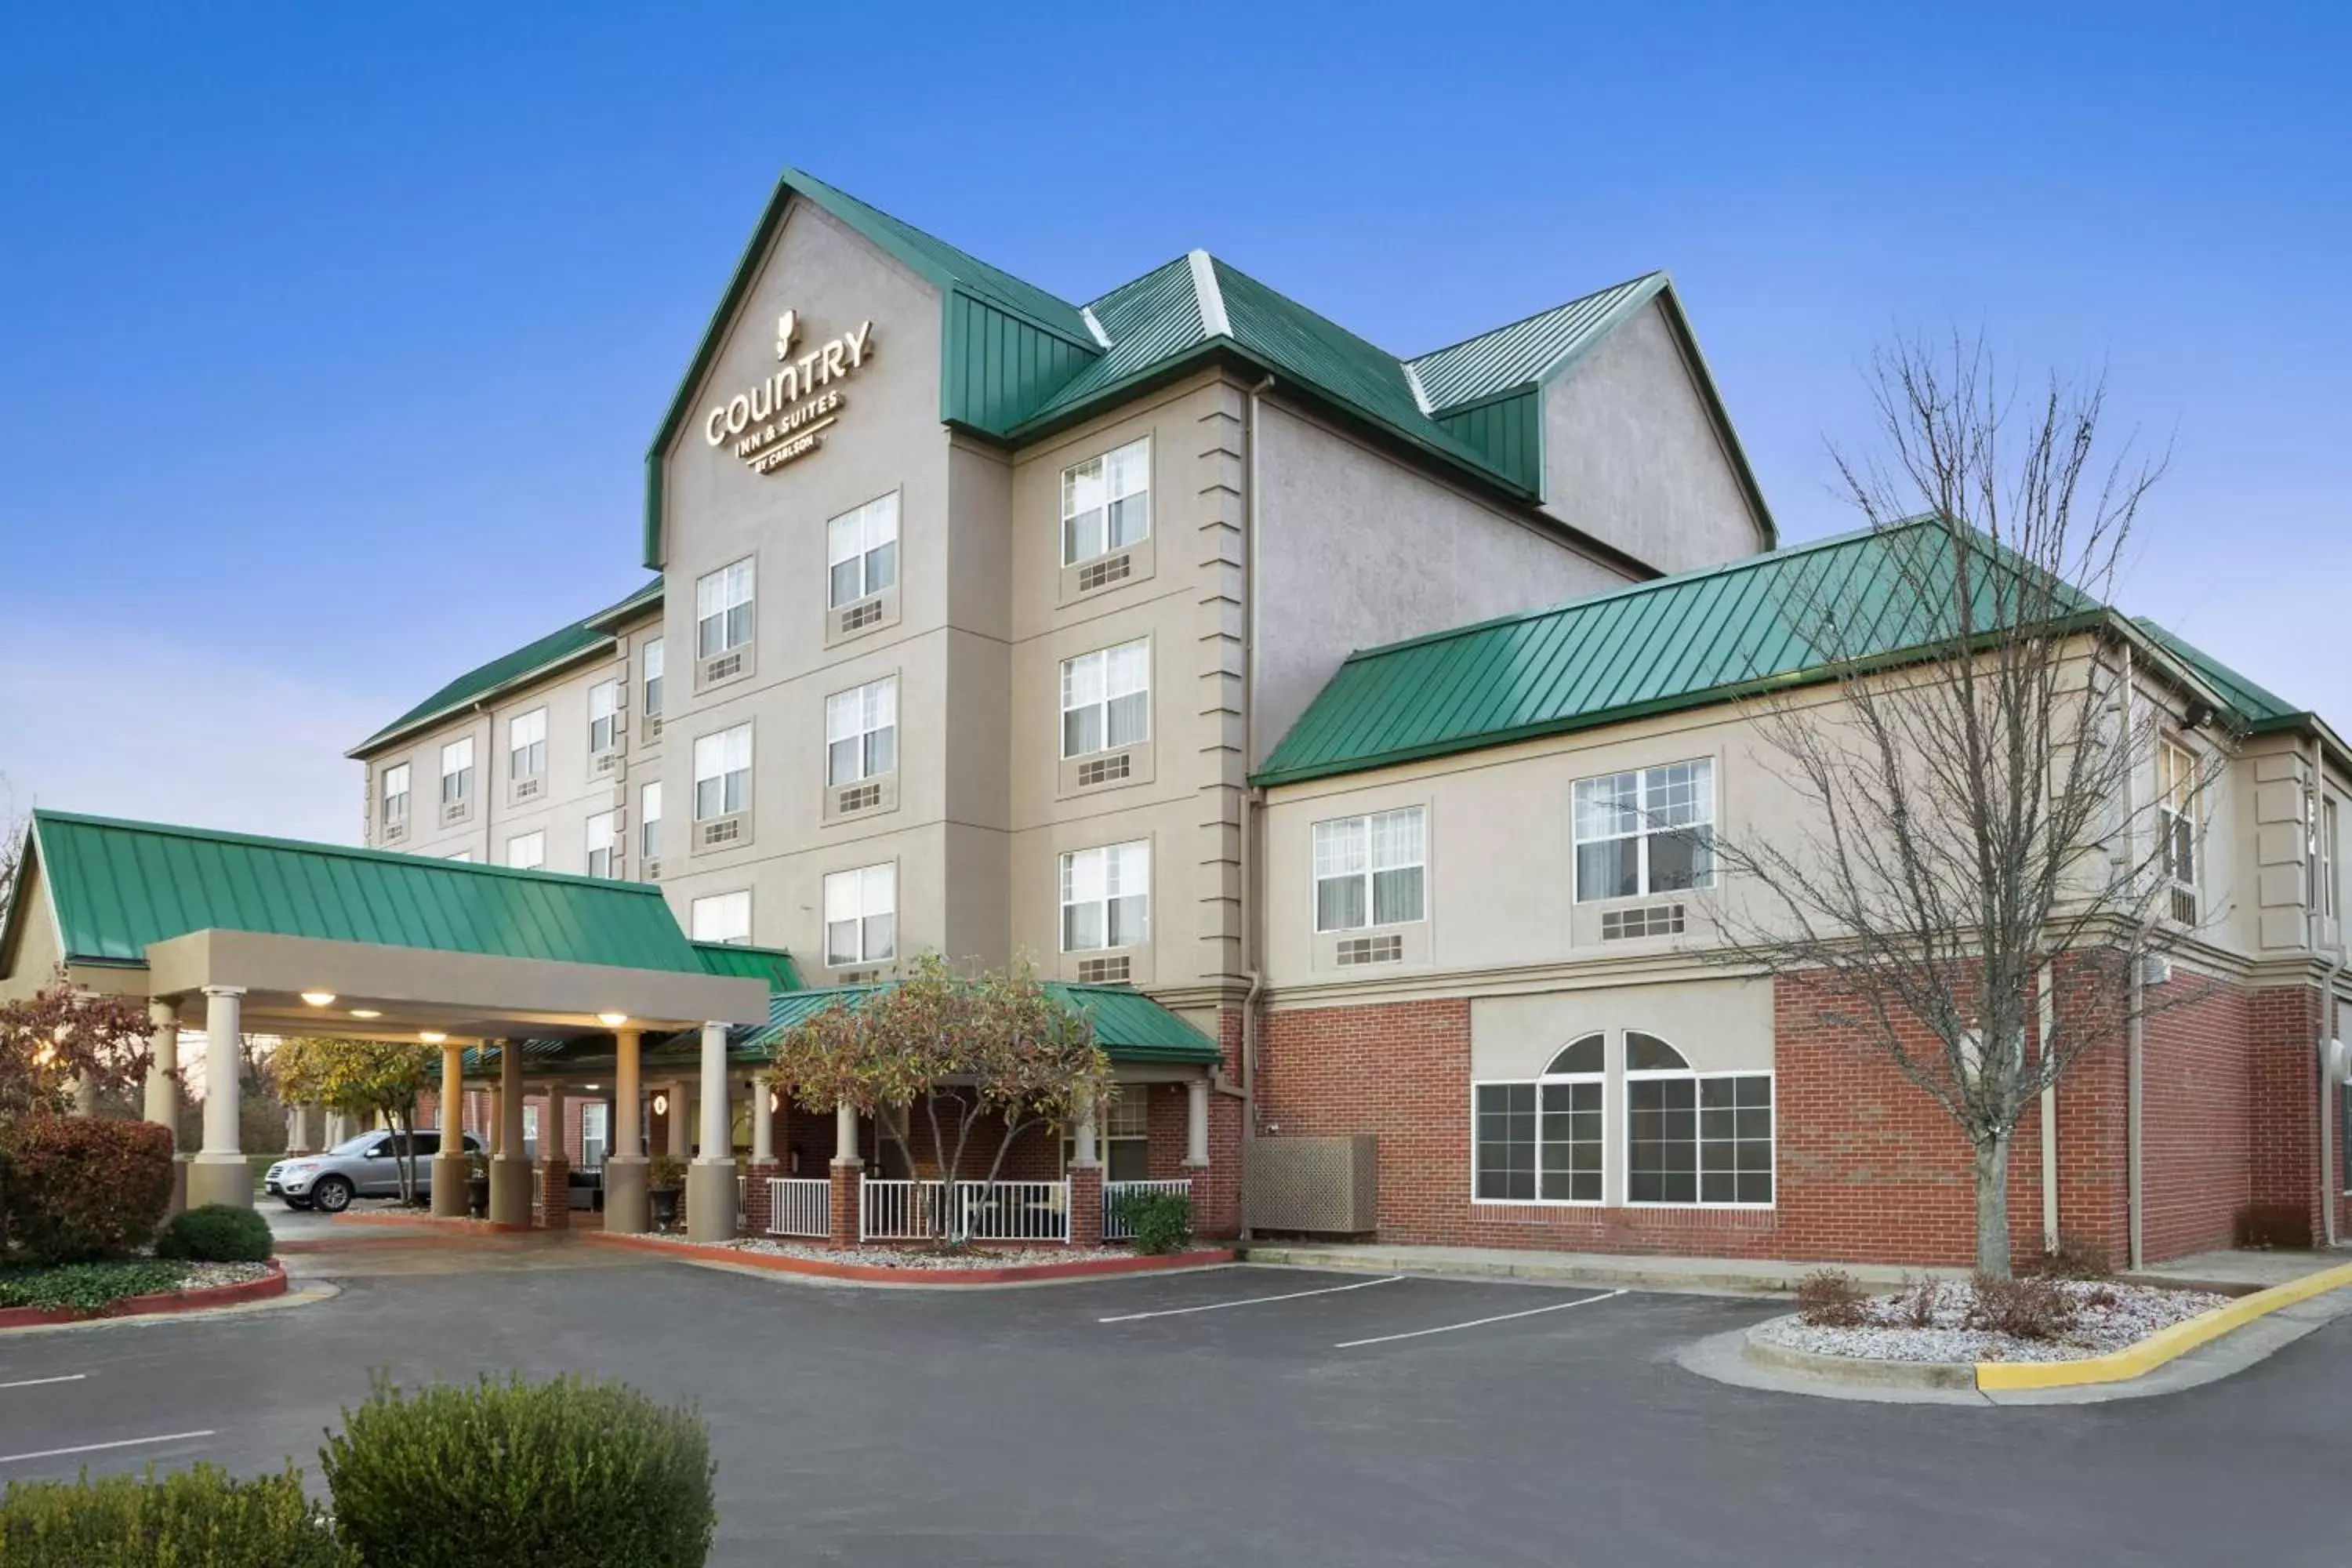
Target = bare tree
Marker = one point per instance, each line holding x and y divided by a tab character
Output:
13	829
1967	851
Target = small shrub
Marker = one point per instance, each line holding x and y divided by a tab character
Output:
2029	1308
1916	1307
2074	1258
1159	1222
87	1287
75	1188
1829	1298
665	1174
2101	1297
200	1518
569	1473
216	1233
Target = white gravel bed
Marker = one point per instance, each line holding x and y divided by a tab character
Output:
2107	1317
883	1257
204	1275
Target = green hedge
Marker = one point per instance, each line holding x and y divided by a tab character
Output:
73	1188
1159	1222
87	1287
568	1474
216	1233
198	1519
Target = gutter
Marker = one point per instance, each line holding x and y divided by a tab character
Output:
1252	798
2330	1184
2135	1070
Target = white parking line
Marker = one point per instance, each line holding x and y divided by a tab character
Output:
1477	1322
37	1382
1251	1301
94	1448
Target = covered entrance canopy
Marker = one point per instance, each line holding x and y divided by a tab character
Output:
286	937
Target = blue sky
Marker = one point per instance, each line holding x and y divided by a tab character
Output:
330	331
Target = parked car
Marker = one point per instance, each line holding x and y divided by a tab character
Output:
361	1167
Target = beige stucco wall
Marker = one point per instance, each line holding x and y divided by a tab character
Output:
1632	455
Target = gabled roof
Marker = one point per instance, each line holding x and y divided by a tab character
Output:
117	887
1686	641
2263	709
1531	350
1130	1026
772	965
589	638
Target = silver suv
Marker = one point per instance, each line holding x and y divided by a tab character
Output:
361	1167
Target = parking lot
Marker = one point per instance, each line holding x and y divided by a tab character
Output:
1242	1415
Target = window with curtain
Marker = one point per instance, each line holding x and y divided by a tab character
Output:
723	608
1106	502
649	810
1107	699
1370	870
653	664
861	549
600	843
396	797
861	732
721	917
1648	831
457	771
723	773
1105	896
527	744
2176	810
604	716
526	851
861	914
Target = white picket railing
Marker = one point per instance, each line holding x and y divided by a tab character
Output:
1014	1211
891	1210
1114	1224
800	1205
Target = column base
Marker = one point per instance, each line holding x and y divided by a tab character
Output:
627	1211
847	1177
509	1190
710	1200
555	1194
450	1174
179	1186
220	1179
1086	1205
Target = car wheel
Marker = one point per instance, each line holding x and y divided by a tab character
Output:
297	1203
331	1194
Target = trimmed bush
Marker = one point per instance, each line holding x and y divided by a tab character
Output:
216	1233
200	1518
1159	1222
75	1188
567	1474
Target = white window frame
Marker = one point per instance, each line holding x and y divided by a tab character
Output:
1114	861
1096	669
457	770
649	819
602	841
728	600
2179	791
1328	833
867	537
865	719
530	1132
604	717
527	744
1698	1129
1122	474
651	662
850	900
1538	1083
394	787
1123	1117
536	839
1644	832
732	749
715	905
597	1114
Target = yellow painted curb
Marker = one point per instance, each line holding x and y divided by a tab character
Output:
2118	1366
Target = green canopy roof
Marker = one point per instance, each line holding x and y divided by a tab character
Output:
1130	1026
1710	636
118	886
772	965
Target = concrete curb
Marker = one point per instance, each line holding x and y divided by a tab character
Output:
926	1278
1632	1272
1854	1368
2164	1345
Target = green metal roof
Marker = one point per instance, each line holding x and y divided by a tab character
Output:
2263	709
772	965
118	886
1678	642
1130	1026
583	638
1529	350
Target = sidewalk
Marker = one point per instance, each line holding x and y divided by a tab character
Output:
2228	1271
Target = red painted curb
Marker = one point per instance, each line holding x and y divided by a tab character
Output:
1011	1274
155	1305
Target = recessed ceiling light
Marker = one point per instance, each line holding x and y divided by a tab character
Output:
320	998
612	1020
431	1037
365	1013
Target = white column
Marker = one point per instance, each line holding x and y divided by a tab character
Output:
223	1018
845	1131
628	1132
162	1101
764	1122
1082	1151
678	1145
718	1139
1196	1122
297	1127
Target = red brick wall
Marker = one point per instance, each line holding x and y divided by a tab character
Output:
1869	1168
2285	1114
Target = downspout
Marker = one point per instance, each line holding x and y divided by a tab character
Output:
2135	1071
1253	799
2049	1015
2330	1185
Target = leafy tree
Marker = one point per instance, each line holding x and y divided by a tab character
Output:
59	1038
991	1049
364	1078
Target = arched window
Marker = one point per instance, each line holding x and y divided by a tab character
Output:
1693	1138
1541	1141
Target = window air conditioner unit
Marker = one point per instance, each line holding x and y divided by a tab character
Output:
725	666
1651	919
1103	573
1104	970
526	789
856	797
1107	769
1389	948
857	617
726	830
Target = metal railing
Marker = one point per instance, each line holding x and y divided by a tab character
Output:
800	1205
892	1210
1114	1222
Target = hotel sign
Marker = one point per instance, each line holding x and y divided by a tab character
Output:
785	416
